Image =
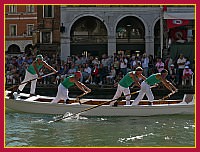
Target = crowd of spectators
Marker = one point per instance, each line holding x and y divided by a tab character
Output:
101	70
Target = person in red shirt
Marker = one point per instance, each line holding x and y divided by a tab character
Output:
94	75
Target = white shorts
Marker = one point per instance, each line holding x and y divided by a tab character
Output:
145	89
62	94
118	94
28	77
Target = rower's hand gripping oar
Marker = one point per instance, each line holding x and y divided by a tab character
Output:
14	87
169	95
64	117
78	97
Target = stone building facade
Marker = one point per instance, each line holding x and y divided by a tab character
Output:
111	17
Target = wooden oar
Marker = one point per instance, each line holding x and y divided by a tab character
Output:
13	88
63	117
169	95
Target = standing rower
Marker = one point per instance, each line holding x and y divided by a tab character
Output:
153	80
125	82
33	73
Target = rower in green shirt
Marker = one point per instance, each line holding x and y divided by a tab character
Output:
33	73
153	80
63	87
127	81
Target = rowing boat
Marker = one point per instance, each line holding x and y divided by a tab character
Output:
41	105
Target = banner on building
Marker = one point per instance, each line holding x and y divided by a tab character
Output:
172	23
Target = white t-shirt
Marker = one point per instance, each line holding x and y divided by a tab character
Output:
183	60
145	62
123	64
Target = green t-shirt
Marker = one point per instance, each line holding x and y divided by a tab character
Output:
32	70
152	80
126	81
66	83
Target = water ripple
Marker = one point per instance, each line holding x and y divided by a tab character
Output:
138	137
25	130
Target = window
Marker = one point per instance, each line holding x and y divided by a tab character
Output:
46	37
12	9
30	9
48	11
13	30
30	29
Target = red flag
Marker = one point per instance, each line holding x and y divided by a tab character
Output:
171	23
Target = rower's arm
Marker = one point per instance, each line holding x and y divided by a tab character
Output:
80	85
172	86
143	77
135	80
166	83
85	87
49	67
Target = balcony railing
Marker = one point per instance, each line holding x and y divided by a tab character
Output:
129	40
101	39
89	39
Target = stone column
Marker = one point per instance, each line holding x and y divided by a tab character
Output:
65	48
111	40
111	45
149	44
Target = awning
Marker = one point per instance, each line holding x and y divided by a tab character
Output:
189	16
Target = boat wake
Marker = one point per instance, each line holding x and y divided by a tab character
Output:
68	116
38	121
139	137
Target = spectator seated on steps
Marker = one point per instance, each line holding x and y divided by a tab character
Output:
172	74
87	73
111	76
9	77
187	76
93	78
